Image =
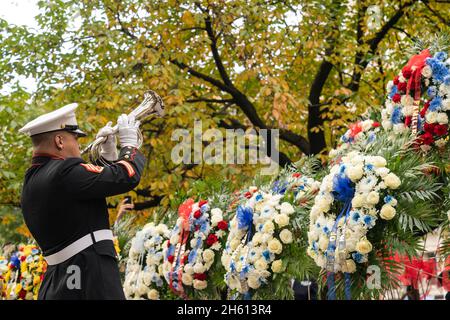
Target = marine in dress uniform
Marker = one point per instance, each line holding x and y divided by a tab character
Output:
64	206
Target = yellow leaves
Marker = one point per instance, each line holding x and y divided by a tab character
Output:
188	19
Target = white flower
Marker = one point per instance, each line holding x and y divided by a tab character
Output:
225	259
400	128
392	181
387	212
277	266
286	208
323	242
440	143
200	284
187	279
373	197
378	161
188	268
234	244
153	295
142	290
387	124
174	239
216	246
350	266
406	100
268	227
358	201
282	220
257	238
253	282
446	105
442	118
427	72
261	264
275	246
382	172
286	236
355	172
431	117
199	268
208	255
363	246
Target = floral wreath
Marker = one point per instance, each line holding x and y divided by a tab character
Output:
351	198
190	252
248	256
143	275
419	98
21	275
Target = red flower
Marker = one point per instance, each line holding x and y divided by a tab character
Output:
197	214
170	258
427	138
406	71
408	121
429	127
222	225
200	276
396	98
22	258
212	238
440	130
185	259
248	195
202	202
297	175
168	243
402	86
22	294
375	124
396	80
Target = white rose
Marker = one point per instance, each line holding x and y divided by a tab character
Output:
253	283
187	279
282	220
431	117
286	236
358	201
442	118
200	284
427	72
378	161
142	289
373	197
363	246
392	181
355	172
208	255
387	212
188	268
199	268
286	208
275	246
257	238
153	295
277	266
261	264
268	227
446	105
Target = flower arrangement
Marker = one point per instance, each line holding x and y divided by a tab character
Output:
419	98
192	249
258	234
352	197
21	275
143	275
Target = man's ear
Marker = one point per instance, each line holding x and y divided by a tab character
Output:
59	143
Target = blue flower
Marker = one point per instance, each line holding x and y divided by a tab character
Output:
192	256
440	55
396	116
355	216
438	68
244	217
369	167
266	255
278	187
204	208
259	197
315	246
358	257
435	104
369	221
394	90
447	80
388	199
431	92
325	230
371	137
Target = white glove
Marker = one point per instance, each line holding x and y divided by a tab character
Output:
108	148
128	131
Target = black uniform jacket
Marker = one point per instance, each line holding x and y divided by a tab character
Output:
64	200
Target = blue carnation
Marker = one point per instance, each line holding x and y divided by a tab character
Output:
259	197
394	90
369	221
315	246
396	116
358	257
431	92
356	216
435	104
369	167
440	55
266	255
438	68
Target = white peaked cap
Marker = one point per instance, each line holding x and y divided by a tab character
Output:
60	119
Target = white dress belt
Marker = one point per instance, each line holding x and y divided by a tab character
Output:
78	246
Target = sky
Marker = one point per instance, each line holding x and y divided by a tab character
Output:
20	12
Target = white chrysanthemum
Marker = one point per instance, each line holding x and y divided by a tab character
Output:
446	105
442	118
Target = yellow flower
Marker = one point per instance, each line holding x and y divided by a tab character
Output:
363	246
277	266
